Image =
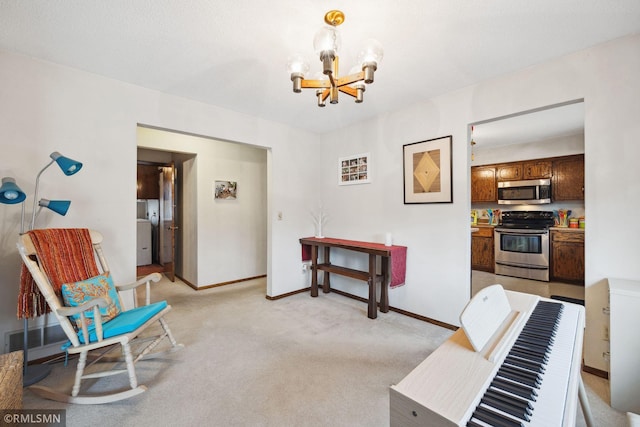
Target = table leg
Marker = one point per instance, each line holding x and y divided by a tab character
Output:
326	284
372	309
384	289
314	271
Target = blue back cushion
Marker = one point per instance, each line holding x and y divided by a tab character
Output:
78	293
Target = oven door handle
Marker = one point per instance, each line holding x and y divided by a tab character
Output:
513	232
529	266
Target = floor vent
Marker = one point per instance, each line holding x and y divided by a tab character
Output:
36	338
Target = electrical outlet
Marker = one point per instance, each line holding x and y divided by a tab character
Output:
305	267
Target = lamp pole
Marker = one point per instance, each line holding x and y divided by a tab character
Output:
10	193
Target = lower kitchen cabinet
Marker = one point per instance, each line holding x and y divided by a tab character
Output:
482	255
567	256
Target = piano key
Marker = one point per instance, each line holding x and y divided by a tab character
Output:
498	394
530	349
543	344
529	356
515	388
517	378
525	363
536	333
520	413
494	418
520	372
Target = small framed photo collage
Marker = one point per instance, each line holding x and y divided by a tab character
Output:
354	169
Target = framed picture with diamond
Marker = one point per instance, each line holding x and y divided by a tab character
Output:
354	169
427	171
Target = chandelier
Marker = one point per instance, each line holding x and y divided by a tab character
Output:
328	84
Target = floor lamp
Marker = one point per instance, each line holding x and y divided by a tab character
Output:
10	194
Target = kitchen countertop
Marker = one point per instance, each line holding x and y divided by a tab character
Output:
572	230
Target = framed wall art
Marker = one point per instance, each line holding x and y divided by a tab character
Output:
427	171
225	189
354	169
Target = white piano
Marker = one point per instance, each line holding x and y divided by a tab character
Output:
492	371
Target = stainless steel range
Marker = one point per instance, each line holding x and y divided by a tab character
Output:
522	244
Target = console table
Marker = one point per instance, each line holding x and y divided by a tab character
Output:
393	257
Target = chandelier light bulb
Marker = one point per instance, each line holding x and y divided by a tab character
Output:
327	39
370	56
297	66
372	51
326	44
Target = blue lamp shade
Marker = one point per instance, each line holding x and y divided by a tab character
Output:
58	206
10	193
68	166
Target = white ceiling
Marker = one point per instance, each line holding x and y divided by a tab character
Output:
232	53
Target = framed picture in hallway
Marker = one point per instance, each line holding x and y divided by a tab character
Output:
225	189
354	169
427	171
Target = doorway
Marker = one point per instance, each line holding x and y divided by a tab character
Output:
218	240
547	133
156	217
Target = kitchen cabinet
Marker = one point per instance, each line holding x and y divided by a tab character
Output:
482	254
509	172
536	169
530	169
483	184
148	182
568	178
624	376
567	255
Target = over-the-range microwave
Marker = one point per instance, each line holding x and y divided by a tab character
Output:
529	192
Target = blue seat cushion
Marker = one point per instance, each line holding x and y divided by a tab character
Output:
126	321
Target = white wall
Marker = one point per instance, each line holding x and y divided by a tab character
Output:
437	235
48	108
230	235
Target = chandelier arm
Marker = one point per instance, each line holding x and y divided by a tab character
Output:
315	84
351	78
325	94
349	91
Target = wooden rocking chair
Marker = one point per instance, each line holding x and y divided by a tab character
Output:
99	334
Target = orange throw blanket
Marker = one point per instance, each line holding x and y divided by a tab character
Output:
65	255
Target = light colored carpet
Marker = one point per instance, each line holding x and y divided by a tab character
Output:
248	361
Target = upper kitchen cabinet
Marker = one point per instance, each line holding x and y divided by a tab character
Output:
483	184
536	169
568	178
509	172
530	169
148	182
